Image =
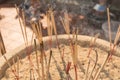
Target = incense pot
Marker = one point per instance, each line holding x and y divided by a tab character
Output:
103	45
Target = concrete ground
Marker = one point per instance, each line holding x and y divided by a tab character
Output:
10	28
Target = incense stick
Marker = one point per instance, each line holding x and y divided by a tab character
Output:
42	60
109	26
67	22
14	66
68	69
117	36
37	59
31	74
63	52
49	30
18	66
48	67
3	50
86	76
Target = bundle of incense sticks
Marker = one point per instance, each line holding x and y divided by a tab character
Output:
73	43
24	33
22	26
65	23
37	30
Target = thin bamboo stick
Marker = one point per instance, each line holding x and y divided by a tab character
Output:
63	24
30	74
37	59
97	69
117	36
109	26
86	76
49	30
14	66
76	76
67	22
42	60
18	66
3	50
49	64
63	52
68	69
32	38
